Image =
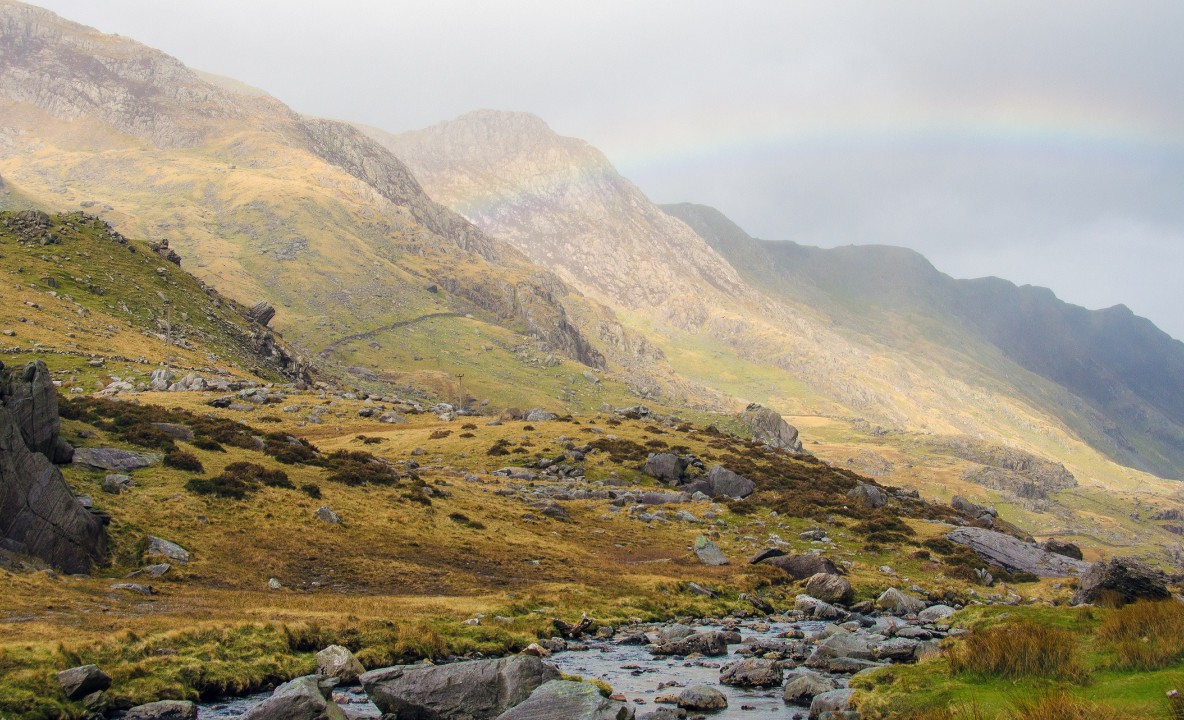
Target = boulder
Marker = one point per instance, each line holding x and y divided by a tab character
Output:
39	515
897	649
829	588
817	609
868	495
538	415
338	662
701	697
722	482
665	713
1014	554
475	689
752	672
971	508
801	567
666	468
116	483
568	700
78	682
1121	580
803	685
326	514
842	644
834	701
1060	547
32	400
708	552
261	312
161	379
711	644
765	555
674	632
177	431
115	459
935	613
299	699
165	548
770	428
163	710
899	603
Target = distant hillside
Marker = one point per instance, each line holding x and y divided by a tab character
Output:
1127	371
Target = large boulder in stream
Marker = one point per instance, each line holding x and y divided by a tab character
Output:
39	514
299	699
163	710
471	690
568	700
1014	554
712	643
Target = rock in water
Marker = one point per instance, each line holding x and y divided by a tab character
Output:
338	662
829	588
752	672
803	685
33	401
476	689
708	552
900	603
835	702
770	428
712	644
702	697
1120	581
570	701
1014	554
163	710
298	699
38	513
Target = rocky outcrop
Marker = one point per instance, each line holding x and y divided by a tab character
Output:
722	482
801	567
472	690
299	699
115	459
829	588
261	312
39	514
1060	547
568	700
1121	580
78	682
30	396
868	495
1014	554
770	428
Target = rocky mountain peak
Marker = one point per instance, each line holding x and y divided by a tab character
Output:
560	201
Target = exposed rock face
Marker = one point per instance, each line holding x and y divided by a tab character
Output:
261	312
568	700
770	428
1014	554
1122	580
722	482
33	401
801	567
472	690
115	459
39	514
298	699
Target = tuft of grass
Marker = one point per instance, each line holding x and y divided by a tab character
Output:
1022	650
1063	706
1145	635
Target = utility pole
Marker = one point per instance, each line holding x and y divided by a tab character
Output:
461	380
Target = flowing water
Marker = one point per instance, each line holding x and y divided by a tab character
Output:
630	669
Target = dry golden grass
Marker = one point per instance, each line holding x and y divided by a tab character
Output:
1024	650
1145	635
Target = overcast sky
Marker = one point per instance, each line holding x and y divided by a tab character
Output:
1042	142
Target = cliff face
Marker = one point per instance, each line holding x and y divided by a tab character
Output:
39	515
561	202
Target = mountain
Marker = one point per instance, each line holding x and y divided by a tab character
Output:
305	213
1129	373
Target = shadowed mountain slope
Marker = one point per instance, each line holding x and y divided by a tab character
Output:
1120	365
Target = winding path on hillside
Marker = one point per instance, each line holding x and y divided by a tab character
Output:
324	354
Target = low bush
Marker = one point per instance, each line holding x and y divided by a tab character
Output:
144	435
439	434
1022	650
353	467
462	519
223	485
312	490
183	460
251	472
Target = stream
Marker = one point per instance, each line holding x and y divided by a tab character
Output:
630	669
